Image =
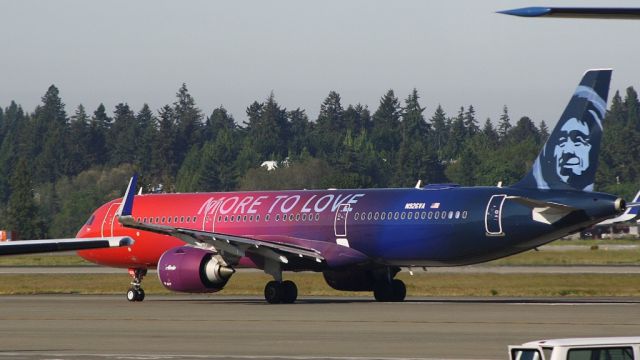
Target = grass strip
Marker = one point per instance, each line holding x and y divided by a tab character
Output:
250	283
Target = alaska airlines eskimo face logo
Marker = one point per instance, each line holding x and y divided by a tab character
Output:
572	150
570	155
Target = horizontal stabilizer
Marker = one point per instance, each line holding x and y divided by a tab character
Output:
575	12
544	211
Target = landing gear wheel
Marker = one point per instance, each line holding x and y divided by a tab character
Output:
289	292
395	291
135	292
399	290
273	292
285	292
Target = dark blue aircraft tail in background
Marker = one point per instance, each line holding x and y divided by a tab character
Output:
569	158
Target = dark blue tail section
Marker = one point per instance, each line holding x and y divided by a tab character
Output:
569	159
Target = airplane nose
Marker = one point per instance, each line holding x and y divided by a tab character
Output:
620	205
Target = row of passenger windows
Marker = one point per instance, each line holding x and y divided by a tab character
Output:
424	215
168	219
410	215
277	217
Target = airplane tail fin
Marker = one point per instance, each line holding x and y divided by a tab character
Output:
569	158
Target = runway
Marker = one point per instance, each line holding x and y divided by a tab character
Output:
218	327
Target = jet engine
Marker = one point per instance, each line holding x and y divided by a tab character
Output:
189	269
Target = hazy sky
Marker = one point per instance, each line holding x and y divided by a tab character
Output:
234	52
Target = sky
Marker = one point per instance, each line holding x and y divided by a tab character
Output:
231	53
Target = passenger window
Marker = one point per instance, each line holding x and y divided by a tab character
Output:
389	215
317	216
304	217
266	217
284	217
251	218
369	215
416	215
277	217
244	218
164	220
219	218
430	215
238	218
258	217
396	215
464	214
298	217
355	217
443	215
291	217
424	215
376	215
169	220
383	215
175	219
410	216
457	214
403	215
231	218
450	214
614	353
437	215
143	220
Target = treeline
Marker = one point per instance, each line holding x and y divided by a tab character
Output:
55	168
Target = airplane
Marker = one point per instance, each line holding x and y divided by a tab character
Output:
630	214
361	238
575	12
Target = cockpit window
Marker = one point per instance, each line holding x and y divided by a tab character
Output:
90	220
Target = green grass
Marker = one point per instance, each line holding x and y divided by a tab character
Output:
252	283
43	260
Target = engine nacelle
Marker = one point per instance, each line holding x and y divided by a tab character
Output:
189	269
362	280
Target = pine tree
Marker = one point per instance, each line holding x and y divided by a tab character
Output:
48	134
386	133
189	124
544	132
414	126
505	123
123	136
22	211
470	121
78	142
99	127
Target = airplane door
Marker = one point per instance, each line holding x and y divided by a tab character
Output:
209	220
493	215
340	223
109	220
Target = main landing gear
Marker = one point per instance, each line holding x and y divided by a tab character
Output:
390	291
278	291
281	292
135	292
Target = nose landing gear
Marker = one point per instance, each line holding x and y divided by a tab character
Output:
135	292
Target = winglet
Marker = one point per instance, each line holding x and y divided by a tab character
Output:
527	12
126	208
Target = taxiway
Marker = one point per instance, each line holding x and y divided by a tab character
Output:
214	326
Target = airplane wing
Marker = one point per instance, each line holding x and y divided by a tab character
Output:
53	245
544	211
231	247
575	12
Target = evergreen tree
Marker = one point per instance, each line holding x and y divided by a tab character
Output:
386	133
440	130
544	132
99	127
123	136
470	121
78	142
220	119
22	211
330	126
414	126
505	123
268	129
188	120
48	134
